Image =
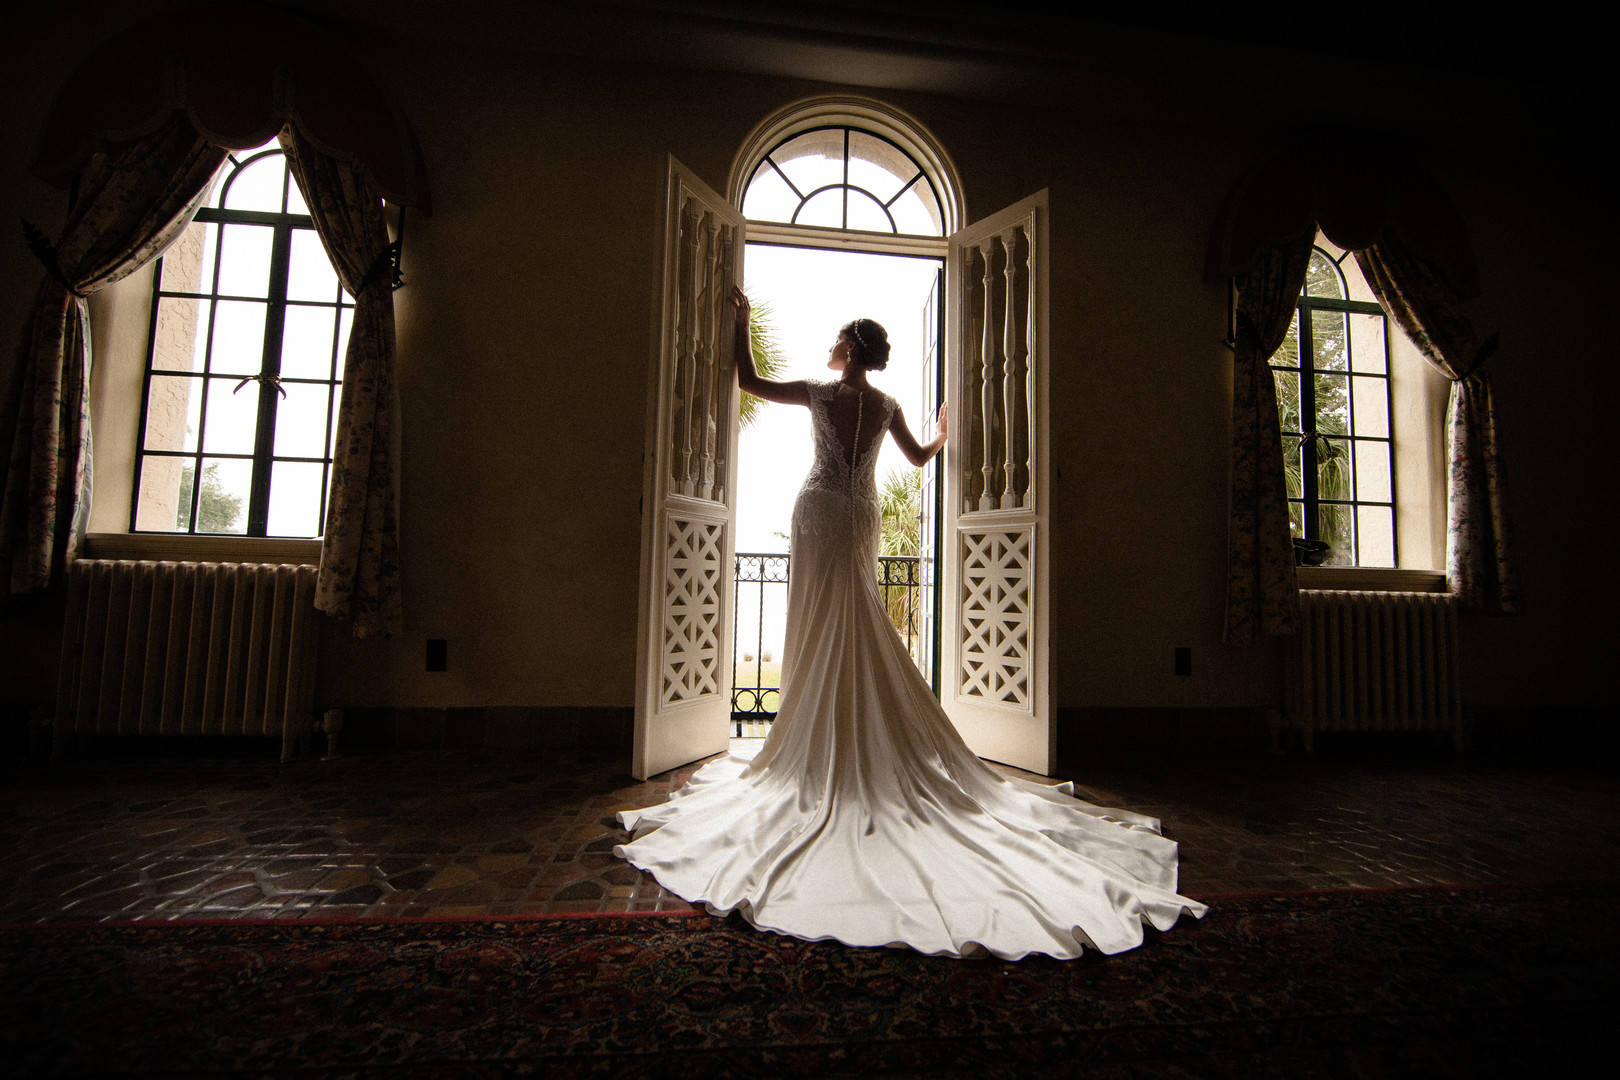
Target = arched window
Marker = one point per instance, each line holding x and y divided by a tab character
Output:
840	165
1333	401
844	178
249	329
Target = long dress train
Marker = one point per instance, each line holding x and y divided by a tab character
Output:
864	817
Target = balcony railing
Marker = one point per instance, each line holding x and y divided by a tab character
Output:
759	621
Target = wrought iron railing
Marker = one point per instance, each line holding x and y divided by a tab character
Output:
761	579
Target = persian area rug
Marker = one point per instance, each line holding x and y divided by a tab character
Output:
1493	981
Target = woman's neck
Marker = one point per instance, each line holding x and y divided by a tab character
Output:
856	377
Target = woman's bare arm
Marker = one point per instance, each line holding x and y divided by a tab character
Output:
919	454
748	377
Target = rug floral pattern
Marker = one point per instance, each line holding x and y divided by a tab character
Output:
1467	981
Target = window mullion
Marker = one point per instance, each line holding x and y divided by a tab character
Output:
1307	423
846	178
275	317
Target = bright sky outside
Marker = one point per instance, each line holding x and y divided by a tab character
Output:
811	293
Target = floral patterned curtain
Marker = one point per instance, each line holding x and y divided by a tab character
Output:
1479	567
1262	593
359	575
132	202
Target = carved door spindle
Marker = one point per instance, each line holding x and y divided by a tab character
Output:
688	337
1030	400
987	378
1009	244
706	361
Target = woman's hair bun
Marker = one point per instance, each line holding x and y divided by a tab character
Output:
871	343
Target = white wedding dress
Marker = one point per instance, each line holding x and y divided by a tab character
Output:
864	817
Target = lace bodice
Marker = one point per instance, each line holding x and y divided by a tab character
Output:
848	428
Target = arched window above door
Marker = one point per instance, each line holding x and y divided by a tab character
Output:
843	164
844	178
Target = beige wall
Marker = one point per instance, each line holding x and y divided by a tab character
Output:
525	332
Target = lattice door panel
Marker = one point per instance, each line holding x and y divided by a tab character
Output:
995	657
693	578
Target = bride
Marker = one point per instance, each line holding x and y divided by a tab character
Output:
865	818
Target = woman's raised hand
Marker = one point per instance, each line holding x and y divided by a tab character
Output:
941	423
740	308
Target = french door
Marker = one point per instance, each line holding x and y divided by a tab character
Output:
995	620
993	563
689	514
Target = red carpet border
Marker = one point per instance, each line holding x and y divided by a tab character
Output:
1492	981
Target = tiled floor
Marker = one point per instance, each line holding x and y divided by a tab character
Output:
413	833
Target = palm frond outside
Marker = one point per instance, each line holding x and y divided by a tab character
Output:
768	357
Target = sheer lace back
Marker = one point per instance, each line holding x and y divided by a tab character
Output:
849	427
839	496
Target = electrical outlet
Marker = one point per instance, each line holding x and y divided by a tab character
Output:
438	654
1183	660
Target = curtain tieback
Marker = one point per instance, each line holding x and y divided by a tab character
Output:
1486	351
262	380
45	252
384	267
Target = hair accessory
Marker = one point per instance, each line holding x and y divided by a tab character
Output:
856	326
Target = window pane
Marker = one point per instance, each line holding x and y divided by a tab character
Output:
1287	400
864	213
172	406
1371	405
188	265
1333	524
878	166
180	334
917	211
233	414
222	503
258	186
244	261
345	324
1291	468
1287	355
332	436
1373	472
824	209
295	198
301	420
1296	519
1322	278
1332	403
769	198
1375	536
812	160
1369	349
1333	479
309	273
1329	347
295	498
163	499
238	338
307	342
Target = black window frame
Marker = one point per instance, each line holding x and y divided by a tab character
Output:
1304	442
269	376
